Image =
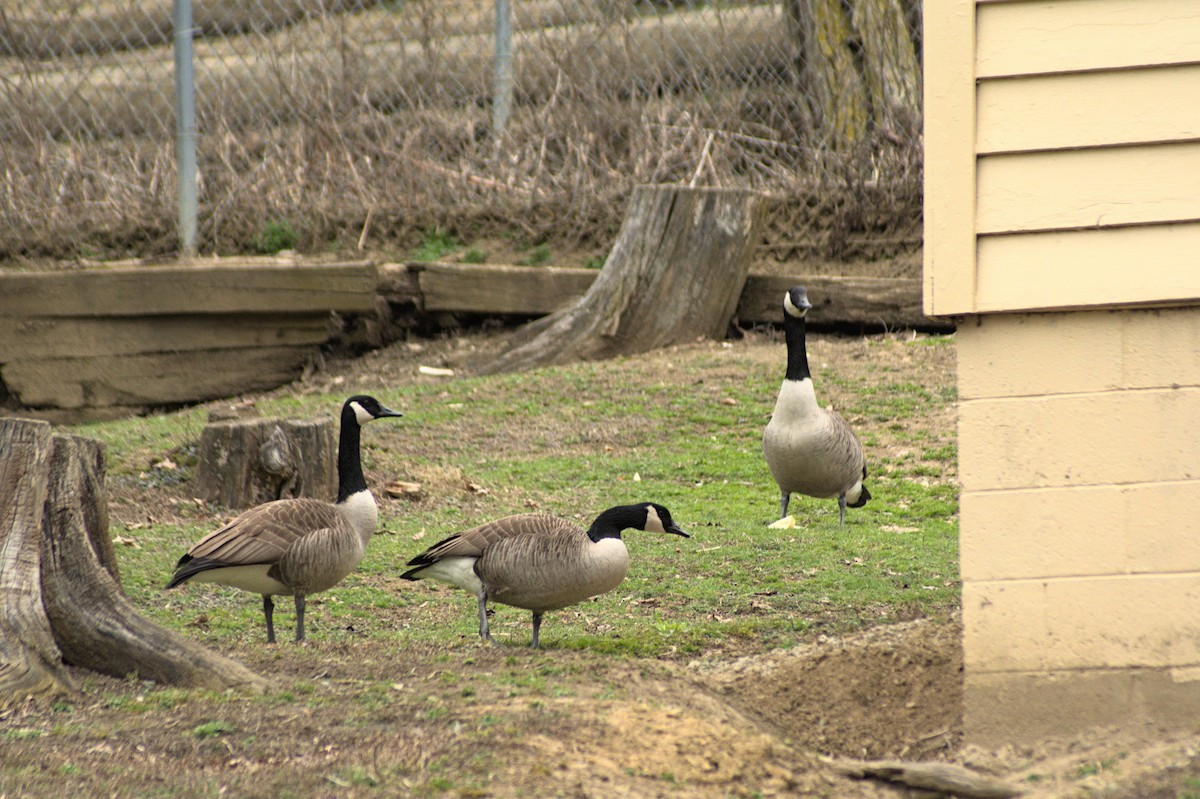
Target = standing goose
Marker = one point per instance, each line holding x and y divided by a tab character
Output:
537	561
809	449
295	546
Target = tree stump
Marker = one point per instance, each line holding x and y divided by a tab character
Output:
59	598
675	274
243	463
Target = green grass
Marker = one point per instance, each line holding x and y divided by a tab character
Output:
435	245
574	440
276	235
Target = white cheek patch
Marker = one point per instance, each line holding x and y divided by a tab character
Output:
653	522
361	414
790	306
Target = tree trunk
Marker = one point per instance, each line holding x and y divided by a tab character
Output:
675	274
859	66
248	462
59	599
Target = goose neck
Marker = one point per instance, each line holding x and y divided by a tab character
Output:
797	348
350	474
610	523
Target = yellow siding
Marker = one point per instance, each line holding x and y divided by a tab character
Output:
1055	117
1079	439
949	40
1080	476
1088	109
1113	266
1089	188
1021	38
1002	707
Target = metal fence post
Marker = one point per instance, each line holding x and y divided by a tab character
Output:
185	125
502	87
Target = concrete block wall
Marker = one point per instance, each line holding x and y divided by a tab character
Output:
1079	460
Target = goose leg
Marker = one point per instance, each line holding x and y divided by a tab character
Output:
484	632
269	615
537	626
841	510
299	618
785	498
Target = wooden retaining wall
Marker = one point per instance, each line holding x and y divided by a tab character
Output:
868	302
108	341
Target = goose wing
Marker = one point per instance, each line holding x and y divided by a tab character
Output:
847	444
474	542
260	535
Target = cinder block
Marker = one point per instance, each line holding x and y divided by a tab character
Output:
1079	439
1140	621
1054	532
1011	355
1002	708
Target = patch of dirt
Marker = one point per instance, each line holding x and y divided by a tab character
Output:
893	691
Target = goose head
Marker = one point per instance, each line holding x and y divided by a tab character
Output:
795	302
365	408
658	520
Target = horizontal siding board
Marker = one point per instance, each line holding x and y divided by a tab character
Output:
1097	530
1002	707
1089	109
1023	38
1088	188
1074	269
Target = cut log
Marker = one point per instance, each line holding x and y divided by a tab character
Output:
675	274
59	599
243	463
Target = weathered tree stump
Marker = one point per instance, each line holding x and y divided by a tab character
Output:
59	598
30	663
243	463
675	274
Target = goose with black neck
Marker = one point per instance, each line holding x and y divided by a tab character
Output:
809	449
537	561
298	546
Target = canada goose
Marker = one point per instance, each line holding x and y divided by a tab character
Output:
809	449
537	561
295	546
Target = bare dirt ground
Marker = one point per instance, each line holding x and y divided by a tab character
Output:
348	718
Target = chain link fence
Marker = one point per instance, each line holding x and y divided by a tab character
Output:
361	123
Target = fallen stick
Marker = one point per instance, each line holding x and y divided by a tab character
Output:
946	778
